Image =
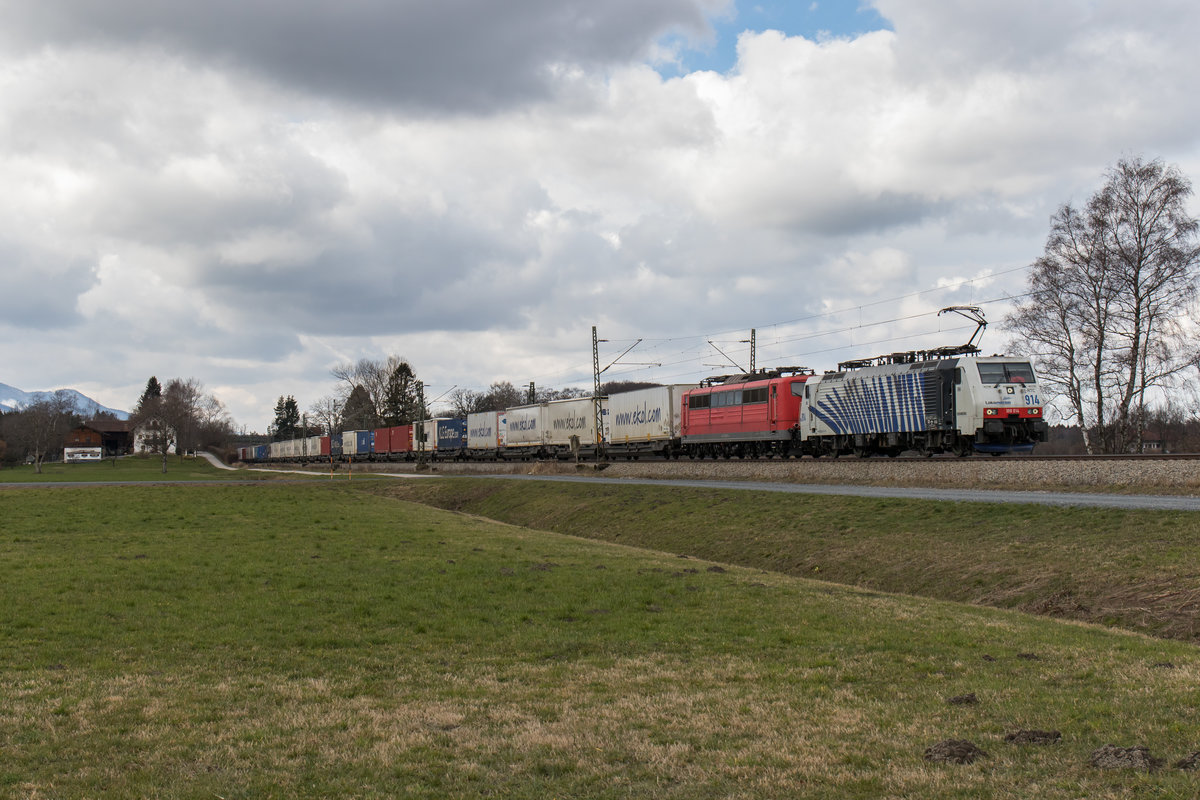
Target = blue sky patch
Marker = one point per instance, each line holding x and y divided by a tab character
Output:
812	19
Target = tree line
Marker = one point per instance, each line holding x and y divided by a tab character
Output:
178	416
370	393
381	393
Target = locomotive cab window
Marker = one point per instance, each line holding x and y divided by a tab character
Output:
1012	372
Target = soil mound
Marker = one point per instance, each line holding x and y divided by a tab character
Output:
1033	737
1112	757
954	751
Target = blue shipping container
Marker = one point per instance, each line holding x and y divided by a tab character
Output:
451	434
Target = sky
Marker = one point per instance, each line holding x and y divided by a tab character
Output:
249	192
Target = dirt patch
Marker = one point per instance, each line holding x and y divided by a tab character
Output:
954	751
1033	737
1112	757
1059	604
1191	762
968	699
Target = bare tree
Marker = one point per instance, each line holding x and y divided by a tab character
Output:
328	413
182	400
389	385
1104	318
40	427
464	402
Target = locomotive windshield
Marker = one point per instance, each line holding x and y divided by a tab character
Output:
1008	372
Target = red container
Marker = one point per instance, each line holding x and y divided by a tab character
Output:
324	445
402	439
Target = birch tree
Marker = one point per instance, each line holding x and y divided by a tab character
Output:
1111	299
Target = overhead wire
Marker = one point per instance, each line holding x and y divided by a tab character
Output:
577	374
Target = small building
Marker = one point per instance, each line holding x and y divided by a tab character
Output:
149	437
113	437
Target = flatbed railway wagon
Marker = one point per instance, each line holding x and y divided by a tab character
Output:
394	443
552	429
571	427
524	434
357	444
645	421
440	438
485	434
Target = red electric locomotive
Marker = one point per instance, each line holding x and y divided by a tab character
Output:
743	415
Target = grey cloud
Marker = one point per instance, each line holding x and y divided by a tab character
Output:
265	190
462	55
413	273
40	289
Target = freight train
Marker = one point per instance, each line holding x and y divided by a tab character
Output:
942	401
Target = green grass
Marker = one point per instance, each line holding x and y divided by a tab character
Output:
1135	569
320	641
129	468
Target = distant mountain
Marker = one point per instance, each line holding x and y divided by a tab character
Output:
86	407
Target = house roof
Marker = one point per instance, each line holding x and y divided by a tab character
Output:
107	425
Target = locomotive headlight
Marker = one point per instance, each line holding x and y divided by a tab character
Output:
1033	412
989	412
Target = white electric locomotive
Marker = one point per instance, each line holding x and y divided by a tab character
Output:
928	401
959	405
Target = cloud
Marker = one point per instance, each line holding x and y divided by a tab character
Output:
452	55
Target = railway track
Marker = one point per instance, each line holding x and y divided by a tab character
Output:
845	458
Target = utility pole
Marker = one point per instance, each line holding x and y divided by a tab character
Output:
532	397
419	432
749	341
596	409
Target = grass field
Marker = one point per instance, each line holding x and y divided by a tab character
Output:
127	468
1135	569
282	640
